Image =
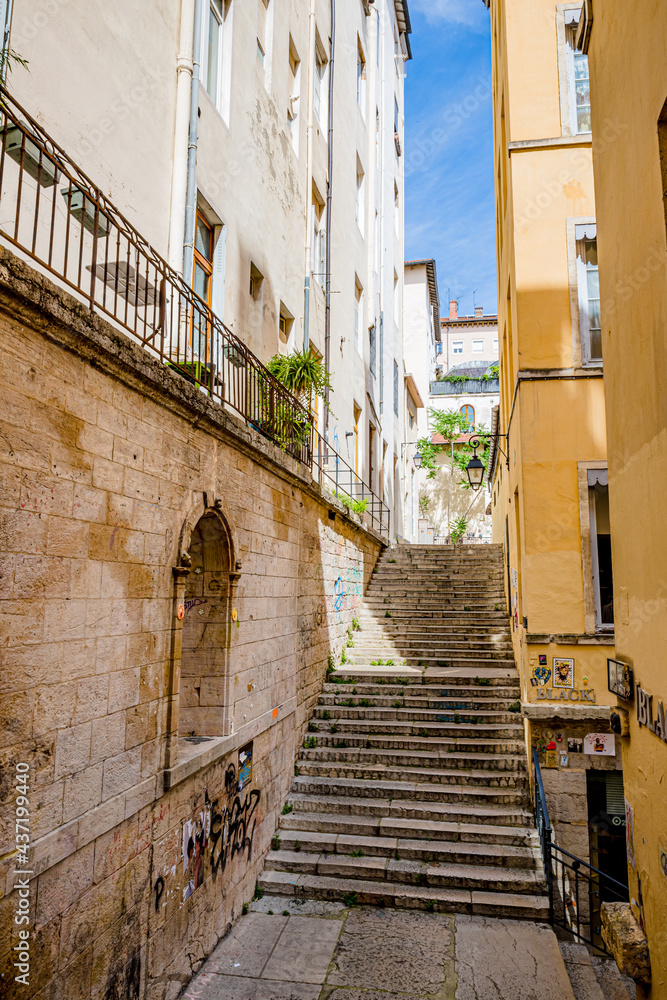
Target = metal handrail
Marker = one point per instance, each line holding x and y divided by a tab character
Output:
336	475
566	872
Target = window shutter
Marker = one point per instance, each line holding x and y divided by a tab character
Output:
598	476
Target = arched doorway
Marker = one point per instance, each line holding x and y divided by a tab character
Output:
206	631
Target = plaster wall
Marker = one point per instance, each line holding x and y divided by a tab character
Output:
418	337
143	846
633	256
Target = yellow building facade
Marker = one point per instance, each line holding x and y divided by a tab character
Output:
548	469
630	166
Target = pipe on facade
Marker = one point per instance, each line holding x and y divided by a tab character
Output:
327	306
191	191
179	176
312	69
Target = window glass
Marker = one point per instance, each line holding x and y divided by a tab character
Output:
468	416
213	53
457	347
582	92
478	346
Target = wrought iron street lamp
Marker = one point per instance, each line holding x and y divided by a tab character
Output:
475	467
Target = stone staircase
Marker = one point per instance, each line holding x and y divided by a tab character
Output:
411	788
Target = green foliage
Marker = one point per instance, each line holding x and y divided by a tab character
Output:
333	728
357	854
387	614
310	743
424	504
331	664
350	899
367	744
286	913
422	732
296	846
457	529
325	714
402	680
357	506
302	373
397	704
258	893
356	627
275	842
287	808
343	657
244	909
430	906
365	703
312	728
514	707
9	60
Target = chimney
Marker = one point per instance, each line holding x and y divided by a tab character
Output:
453	309
479	310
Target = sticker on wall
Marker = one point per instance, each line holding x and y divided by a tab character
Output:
180	612
543	659
245	766
563	672
235	614
551	758
542	674
662	857
575	744
629	834
600	744
564	761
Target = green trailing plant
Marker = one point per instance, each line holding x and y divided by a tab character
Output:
389	663
303	374
350	899
397	704
466	607
331	664
357	854
514	707
387	614
296	770
333	728
258	893
402	680
430	906
296	846
367	744
457	529
325	714
343	657
310	743
287	808
457	717
424	504
312	728
354	690
245	908
365	703
270	911
356	627
275	842
391	560
496	607
286	913
422	732
343	744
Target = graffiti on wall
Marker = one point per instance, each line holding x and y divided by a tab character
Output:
220	831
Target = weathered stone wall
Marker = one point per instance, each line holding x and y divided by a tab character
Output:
143	846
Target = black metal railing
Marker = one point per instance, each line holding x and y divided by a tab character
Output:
334	473
55	214
576	889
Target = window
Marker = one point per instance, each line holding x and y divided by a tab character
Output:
468	417
293	117
478	346
202	279
318	240
319	84
256	283
397	300
372	351
264	36
495	345
457	347
578	83
361	78
215	55
358	313
395	388
603	586
588	289
357	414
359	205
397	213
285	323
5	27
438	347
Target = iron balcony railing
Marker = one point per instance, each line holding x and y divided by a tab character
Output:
576	889
53	213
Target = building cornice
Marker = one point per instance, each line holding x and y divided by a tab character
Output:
585	140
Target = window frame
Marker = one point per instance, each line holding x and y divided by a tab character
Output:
221	97
567	19
362	76
477	350
578	281
457	347
588	525
469	423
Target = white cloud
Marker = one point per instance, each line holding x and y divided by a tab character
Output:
468	12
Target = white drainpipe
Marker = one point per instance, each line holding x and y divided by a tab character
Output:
179	177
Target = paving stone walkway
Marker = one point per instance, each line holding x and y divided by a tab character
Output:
324	951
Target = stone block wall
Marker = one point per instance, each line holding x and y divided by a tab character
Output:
143	844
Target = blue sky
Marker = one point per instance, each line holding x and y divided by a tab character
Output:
449	206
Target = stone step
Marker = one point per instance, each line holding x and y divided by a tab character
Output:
319	796
372	712
410	728
468	832
406	871
445	749
484	780
349	696
514	905
439	851
452	759
432	692
427	792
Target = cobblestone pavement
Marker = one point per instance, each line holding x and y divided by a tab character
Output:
324	951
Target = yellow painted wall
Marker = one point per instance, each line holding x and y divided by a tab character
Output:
632	246
551	406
